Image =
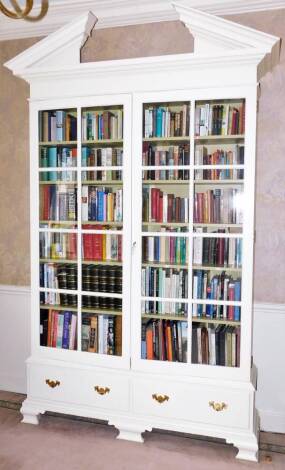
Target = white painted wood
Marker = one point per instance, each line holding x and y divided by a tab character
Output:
227	70
114	13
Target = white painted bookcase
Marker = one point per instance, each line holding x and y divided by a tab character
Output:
133	393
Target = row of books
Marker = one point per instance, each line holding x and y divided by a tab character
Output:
166	121
164	340
164	282
102	278
58	126
101	303
216	345
101	247
220	119
108	156
58	299
217	287
57	245
58	329
102	204
213	251
57	157
159	206
102	334
164	308
235	156
95	278
165	250
58	202
218	206
101	125
162	155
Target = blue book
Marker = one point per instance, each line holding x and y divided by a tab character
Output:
89	126
159	122
52	162
237	299
156	249
200	292
93	206
60	127
65	334
100	208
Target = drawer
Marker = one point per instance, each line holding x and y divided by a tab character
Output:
220	406
83	387
196	403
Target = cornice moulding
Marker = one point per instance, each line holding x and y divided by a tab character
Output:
115	13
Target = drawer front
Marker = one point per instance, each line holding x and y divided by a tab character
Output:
85	387
161	398
220	406
196	403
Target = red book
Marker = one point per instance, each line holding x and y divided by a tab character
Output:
153	204
169	342
149	342
46	202
221	250
160	208
119	247
72	245
87	246
200	208
97	247
170	200
54	329
231	296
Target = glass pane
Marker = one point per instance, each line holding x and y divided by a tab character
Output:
102	123
58	328
58	126
223	117
58	275
223	161
57	246
101	248
216	344
58	199
102	204
57	156
101	334
165	251
166	120
164	340
217	253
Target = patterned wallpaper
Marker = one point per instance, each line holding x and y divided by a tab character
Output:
134	41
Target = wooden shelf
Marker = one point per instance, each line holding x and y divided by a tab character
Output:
66	308
213	138
96	222
102	183
106	262
164	316
59	222
59	182
55	143
101	311
218	181
200	224
165	265
103	142
166	224
58	260
168	182
216	268
215	321
167	139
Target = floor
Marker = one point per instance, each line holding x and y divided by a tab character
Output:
61	443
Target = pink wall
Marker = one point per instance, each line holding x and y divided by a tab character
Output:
134	41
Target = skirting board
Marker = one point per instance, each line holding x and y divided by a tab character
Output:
268	352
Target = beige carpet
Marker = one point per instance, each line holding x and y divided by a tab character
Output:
65	444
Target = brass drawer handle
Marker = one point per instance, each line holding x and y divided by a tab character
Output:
102	390
52	383
218	406
160	398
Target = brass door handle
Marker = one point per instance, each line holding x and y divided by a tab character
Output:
52	383
160	398
101	390
218	406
